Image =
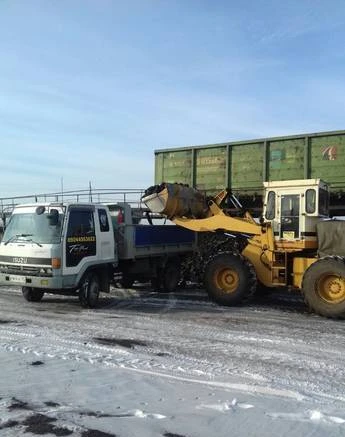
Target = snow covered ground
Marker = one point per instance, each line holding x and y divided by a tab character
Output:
148	364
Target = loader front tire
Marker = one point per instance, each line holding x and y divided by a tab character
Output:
229	279
323	287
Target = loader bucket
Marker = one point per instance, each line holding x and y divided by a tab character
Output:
176	200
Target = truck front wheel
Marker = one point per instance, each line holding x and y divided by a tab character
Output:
32	294
89	291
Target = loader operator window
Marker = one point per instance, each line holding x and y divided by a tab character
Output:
271	205
310	201
323	202
290	212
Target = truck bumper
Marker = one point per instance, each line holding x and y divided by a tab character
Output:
52	282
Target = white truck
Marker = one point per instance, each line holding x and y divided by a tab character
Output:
80	248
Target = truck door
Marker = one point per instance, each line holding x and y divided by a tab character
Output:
80	239
290	216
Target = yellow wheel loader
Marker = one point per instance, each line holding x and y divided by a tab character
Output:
294	244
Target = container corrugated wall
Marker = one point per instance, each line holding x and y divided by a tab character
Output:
244	166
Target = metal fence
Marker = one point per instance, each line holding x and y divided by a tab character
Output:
106	196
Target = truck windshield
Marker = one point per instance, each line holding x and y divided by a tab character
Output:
32	227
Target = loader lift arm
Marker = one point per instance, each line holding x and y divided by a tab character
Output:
188	208
217	220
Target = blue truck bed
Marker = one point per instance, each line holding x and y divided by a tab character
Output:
162	235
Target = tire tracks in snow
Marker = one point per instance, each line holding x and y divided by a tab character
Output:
256	348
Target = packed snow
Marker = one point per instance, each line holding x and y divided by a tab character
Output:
177	365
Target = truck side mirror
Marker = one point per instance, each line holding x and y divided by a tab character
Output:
53	217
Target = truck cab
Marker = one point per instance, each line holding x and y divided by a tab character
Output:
58	247
294	208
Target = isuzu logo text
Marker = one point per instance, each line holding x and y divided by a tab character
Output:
19	260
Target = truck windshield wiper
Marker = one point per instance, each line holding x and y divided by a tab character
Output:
35	242
14	237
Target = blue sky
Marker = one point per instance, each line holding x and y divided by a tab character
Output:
90	88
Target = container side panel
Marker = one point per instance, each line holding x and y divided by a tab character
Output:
328	160
286	159
176	167
210	169
159	157
246	171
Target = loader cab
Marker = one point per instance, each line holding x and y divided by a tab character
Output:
294	208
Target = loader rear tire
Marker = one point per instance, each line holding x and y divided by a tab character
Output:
229	279
32	294
323	287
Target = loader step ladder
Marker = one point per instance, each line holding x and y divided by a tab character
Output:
279	268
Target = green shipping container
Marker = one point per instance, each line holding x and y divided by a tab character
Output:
243	166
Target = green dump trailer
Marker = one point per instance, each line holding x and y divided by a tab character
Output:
243	166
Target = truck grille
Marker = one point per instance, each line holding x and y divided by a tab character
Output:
11	269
